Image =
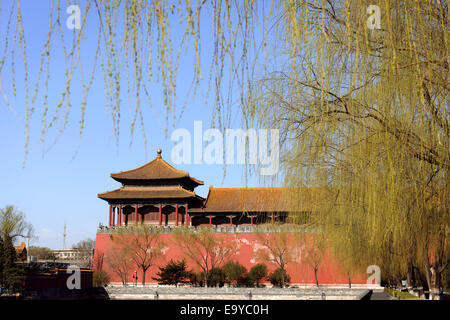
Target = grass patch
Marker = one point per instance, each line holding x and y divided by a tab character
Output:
402	295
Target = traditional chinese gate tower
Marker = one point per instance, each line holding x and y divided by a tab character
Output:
155	193
160	195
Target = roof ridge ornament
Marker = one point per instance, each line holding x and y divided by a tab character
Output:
157	169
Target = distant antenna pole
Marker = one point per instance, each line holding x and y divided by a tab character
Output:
64	238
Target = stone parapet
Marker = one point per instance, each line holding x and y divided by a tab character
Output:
216	229
233	293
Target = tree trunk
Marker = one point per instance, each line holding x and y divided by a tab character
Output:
418	281
122	278
315	276
143	276
433	275
398	283
428	276
409	279
435	283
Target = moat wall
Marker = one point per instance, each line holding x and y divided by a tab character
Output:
330	271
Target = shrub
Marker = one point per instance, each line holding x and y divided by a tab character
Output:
245	281
197	279
100	279
173	273
257	273
276	278
216	277
235	272
401	295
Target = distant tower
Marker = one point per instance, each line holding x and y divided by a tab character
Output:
64	238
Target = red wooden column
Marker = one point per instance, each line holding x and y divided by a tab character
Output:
135	214
119	222
251	220
113	217
186	218
272	217
160	217
210	221
176	215
110	214
231	220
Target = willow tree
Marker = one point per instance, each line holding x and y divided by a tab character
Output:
118	258
275	244
14	225
203	248
138	48
143	245
363	108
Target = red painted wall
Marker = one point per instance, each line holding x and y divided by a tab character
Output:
330	272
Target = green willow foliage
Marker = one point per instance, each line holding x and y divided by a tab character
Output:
136	46
362	111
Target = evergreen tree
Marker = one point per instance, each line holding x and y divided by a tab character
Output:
216	277
235	272
12	275
173	273
257	273
197	278
279	278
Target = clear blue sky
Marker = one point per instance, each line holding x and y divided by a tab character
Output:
54	189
